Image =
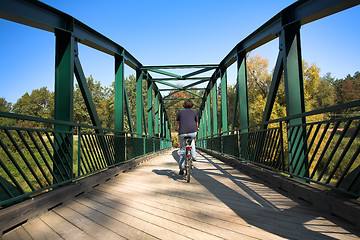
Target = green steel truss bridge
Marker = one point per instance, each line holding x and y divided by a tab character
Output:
36	161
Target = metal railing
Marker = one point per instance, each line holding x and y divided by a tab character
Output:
36	159
324	152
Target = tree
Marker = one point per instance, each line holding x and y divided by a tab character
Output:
101	98
4	105
40	103
259	81
325	94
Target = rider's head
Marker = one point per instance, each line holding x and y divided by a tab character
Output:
188	104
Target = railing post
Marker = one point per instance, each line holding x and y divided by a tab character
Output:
294	93
64	92
79	150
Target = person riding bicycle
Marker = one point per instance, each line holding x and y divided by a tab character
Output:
187	126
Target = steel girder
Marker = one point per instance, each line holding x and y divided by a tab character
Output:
64	92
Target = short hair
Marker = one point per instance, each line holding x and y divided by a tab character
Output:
188	104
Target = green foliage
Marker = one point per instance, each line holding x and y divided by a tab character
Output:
40	103
101	97
4	105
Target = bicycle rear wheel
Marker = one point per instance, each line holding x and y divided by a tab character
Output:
188	168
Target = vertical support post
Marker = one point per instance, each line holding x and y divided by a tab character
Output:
160	120
119	93
120	148
214	108
208	120
204	117
163	126
243	104
156	114
64	93
139	103
150	109
167	127
294	94
224	104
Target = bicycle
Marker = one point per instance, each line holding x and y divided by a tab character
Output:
188	159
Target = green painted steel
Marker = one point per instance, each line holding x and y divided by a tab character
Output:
224	103
243	103
213	66
175	79
80	76
127	106
156	130
64	82
170	85
165	73
119	93
208	114
243	92
214	109
150	109
139	102
279	67
294	94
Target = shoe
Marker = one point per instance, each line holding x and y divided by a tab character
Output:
181	172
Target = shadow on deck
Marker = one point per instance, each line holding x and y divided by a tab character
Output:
153	202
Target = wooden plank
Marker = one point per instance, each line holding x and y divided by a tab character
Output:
116	225
16	234
63	227
216	215
209	224
255	214
153	201
160	228
18	213
85	224
37	229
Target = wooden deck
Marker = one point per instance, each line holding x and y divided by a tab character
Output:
153	202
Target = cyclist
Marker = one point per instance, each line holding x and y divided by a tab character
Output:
187	126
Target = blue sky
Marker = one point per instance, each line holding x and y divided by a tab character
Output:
170	32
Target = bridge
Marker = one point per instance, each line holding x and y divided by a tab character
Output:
293	177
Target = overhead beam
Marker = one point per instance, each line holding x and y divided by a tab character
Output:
195	83
177	79
180	66
165	73
198	72
181	99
